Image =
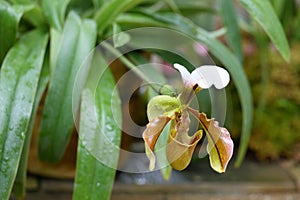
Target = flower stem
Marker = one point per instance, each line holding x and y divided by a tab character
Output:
160	89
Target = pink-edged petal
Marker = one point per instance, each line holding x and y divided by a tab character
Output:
207	75
187	79
151	134
220	145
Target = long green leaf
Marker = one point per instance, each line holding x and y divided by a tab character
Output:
81	7
23	2
110	11
100	135
55	12
9	20
78	39
20	180
230	21
192	7
133	20
35	16
278	6
297	26
232	64
18	84
98	3
55	46
264	14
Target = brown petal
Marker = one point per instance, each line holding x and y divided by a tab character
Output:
220	145
150	135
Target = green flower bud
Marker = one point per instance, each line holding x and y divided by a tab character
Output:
163	105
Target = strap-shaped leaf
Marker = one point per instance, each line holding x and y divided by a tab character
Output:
78	39
191	8
98	3
136	20
264	14
20	180
110	11
35	16
55	46
9	19
18	84
55	12
21	1
99	137
233	33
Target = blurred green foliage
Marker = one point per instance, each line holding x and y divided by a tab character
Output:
276	128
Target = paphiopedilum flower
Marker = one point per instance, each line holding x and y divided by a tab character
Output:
164	109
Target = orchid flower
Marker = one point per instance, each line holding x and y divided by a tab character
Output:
164	109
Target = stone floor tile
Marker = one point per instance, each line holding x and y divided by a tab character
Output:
252	181
234	197
137	197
